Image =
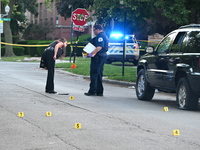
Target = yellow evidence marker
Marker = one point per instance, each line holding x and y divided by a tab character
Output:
71	97
78	126
20	114
176	132
165	109
48	114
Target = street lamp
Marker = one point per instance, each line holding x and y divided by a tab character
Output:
7	9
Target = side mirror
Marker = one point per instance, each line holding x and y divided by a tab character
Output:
149	49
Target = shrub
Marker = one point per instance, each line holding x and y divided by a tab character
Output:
41	48
32	51
18	51
83	40
37	51
78	49
25	47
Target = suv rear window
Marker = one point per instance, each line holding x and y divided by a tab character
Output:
191	43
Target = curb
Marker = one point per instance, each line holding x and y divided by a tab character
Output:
116	82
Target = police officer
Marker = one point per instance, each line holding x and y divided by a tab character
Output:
98	58
53	52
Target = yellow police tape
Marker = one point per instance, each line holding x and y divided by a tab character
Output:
29	45
67	43
48	45
22	45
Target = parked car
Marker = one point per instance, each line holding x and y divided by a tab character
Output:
173	66
115	50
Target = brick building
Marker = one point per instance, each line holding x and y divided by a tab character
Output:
63	28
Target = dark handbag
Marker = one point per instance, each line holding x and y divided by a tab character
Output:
42	64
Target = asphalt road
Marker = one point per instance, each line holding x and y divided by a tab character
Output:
116	121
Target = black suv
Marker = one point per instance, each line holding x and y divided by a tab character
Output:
173	66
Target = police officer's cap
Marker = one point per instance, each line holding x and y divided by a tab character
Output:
98	26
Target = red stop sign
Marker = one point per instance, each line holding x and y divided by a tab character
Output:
80	16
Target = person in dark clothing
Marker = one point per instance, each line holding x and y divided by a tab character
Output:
51	53
98	58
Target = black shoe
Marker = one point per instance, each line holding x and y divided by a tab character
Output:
89	94
99	94
51	92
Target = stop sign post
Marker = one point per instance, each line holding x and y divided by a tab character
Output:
80	16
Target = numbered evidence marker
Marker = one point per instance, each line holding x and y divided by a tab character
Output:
20	114
48	114
77	126
176	132
71	97
165	109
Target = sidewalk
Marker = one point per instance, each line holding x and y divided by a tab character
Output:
39	58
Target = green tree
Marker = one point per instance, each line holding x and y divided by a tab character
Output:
180	11
170	15
144	17
6	26
64	7
38	31
134	10
18	22
18	8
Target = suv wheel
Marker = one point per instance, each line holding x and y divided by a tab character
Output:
143	90
184	96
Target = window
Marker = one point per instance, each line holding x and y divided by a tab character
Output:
52	10
164	46
177	42
40	11
192	42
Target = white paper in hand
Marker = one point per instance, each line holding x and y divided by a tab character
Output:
89	48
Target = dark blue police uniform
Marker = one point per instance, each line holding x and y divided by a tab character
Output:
97	64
